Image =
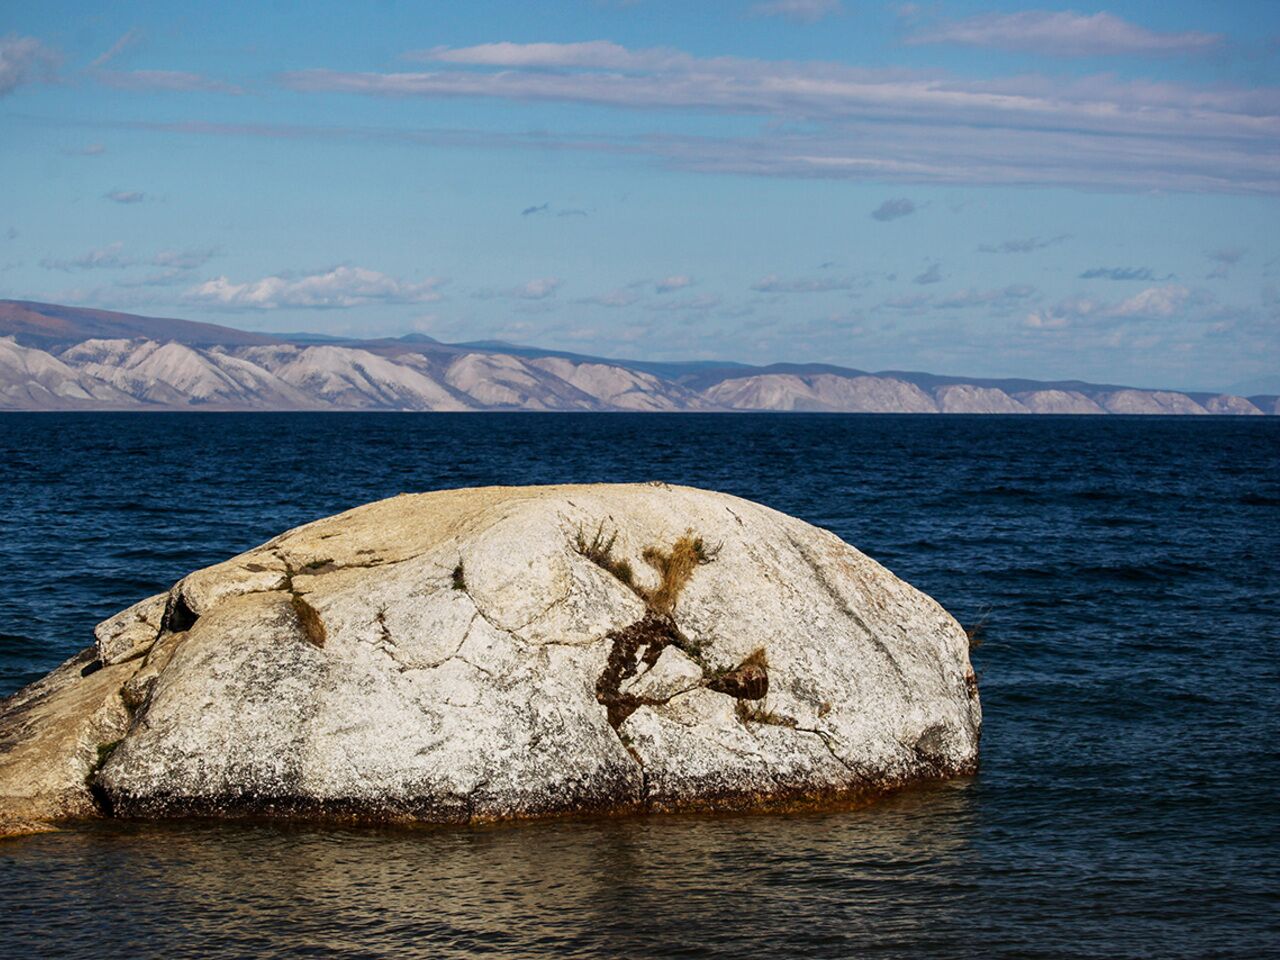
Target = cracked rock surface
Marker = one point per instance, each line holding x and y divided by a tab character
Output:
476	666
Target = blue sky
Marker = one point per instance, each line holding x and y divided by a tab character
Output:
994	189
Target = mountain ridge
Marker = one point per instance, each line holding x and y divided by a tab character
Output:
59	357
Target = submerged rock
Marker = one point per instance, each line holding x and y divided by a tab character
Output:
504	652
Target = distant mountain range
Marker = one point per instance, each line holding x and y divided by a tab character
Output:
69	358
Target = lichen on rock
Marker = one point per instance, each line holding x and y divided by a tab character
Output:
494	653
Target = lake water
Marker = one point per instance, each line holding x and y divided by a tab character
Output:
1127	572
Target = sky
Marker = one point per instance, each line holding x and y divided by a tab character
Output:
977	189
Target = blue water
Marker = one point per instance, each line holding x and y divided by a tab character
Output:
1126	572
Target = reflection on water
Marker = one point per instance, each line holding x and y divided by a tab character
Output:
918	874
814	885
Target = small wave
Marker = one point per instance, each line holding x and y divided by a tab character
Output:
16	645
1002	490
1096	495
1143	573
1259	500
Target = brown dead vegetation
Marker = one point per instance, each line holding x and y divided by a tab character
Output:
749	680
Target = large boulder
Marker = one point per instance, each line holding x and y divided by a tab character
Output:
505	652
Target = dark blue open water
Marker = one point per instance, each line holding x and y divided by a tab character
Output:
1127	570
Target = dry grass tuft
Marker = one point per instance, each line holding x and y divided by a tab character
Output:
975	633
675	567
599	550
754	711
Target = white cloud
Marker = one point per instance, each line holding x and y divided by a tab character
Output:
23	59
805	11
339	287
1154	303
125	196
675	282
538	289
1051	319
1064	33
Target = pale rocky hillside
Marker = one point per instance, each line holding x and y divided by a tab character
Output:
141	373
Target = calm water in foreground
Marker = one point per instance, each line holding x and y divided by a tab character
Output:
1127	571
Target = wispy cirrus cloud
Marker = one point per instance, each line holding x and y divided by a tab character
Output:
1223	260
340	287
113	257
1064	34
191	259
999	300
841	122
946	154
776	284
129	38
176	81
541	288
125	196
604	73
696	304
802	11
110	257
621	297
88	150
1023	245
24	60
1118	273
